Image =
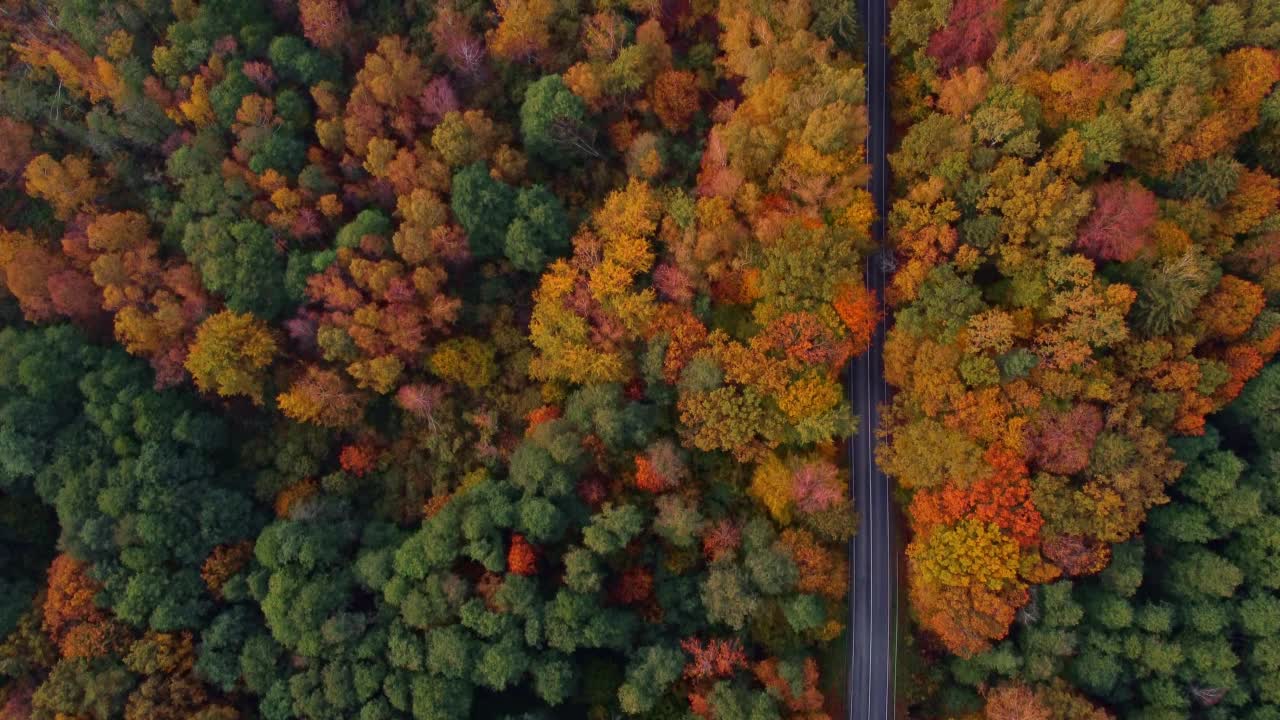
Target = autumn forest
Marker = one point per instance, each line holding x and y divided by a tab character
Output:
447	359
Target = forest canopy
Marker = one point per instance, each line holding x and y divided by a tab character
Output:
468	358
439	359
1084	224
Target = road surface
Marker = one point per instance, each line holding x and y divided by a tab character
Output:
873	558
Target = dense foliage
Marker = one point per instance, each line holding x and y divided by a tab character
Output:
1185	621
455	359
1085	232
433	360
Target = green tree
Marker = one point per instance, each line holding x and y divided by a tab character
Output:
649	675
485	207
553	122
612	528
369	222
86	688
540	230
727	596
238	260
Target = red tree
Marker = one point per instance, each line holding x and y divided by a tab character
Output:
421	400
720	539
1061	442
672	283
1002	498
73	294
806	701
1076	554
816	486
1229	310
1117	228
674	97
647	478
358	459
462	48
324	22
1015	702
16	151
969	36
539	415
859	308
71	618
716	658
804	337
592	490
522	558
26	267
224	562
633	587
660	467
437	100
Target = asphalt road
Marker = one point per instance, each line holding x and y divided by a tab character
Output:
873	553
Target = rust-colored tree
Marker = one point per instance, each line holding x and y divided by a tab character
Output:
324	22
969	36
1117	228
522	557
72	617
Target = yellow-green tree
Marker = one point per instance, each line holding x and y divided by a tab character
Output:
231	354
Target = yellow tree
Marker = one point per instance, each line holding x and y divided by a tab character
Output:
466	361
230	355
771	485
524	30
67	184
965	585
586	310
